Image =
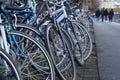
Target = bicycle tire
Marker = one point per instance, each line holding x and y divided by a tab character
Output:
83	42
89	47
78	40
43	70
6	59
63	62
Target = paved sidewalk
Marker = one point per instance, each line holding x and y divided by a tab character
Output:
107	36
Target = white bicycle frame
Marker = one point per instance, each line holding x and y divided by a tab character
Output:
3	39
60	13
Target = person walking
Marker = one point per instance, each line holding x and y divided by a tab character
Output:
102	14
111	14
106	14
97	14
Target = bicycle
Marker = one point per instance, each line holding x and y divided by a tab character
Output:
8	68
31	57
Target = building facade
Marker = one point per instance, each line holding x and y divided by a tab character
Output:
107	3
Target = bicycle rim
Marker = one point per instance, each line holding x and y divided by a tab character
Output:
32	58
60	53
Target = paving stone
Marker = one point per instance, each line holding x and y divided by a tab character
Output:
91	78
90	66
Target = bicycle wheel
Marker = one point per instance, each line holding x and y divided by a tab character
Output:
32	58
79	41
39	36
60	53
8	69
88	49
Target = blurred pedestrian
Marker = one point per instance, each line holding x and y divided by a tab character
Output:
97	14
106	14
111	14
102	14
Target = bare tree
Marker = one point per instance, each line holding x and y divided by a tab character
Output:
95	3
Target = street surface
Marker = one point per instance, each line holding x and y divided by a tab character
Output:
107	38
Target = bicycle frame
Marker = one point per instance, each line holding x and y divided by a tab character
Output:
4	44
61	14
3	38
